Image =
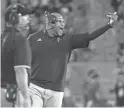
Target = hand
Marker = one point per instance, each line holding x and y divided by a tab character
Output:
89	103
24	103
27	103
113	18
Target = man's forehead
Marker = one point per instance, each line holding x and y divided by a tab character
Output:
58	16
60	19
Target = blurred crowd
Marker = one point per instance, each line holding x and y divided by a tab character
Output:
38	8
65	7
92	95
92	88
118	6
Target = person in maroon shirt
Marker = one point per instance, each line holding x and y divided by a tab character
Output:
51	50
15	58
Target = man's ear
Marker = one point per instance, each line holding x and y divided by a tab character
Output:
50	26
47	26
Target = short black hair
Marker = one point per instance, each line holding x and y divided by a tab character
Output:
20	9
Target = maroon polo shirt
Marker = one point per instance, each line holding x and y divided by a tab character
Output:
50	56
15	52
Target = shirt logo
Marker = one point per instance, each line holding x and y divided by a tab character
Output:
39	39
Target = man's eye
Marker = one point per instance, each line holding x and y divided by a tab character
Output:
61	21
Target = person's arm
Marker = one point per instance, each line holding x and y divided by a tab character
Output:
82	40
22	81
113	18
95	34
22	64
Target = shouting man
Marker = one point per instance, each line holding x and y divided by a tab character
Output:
51	50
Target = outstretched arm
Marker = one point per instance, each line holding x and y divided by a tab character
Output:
82	40
98	32
113	18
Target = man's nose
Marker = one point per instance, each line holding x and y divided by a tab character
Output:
63	24
29	19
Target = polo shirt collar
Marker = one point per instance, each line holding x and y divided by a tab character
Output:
50	37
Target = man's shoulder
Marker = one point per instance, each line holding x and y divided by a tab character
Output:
16	36
19	37
68	35
34	35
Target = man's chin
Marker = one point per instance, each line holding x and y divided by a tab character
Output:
60	34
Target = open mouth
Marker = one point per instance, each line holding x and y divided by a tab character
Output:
61	29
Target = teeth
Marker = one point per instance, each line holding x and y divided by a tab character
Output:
61	28
61	31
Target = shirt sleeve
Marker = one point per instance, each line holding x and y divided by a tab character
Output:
22	52
80	40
